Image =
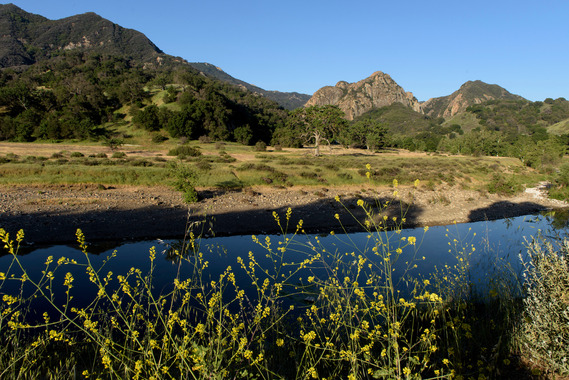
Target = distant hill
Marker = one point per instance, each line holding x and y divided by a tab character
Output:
470	93
26	38
289	100
355	99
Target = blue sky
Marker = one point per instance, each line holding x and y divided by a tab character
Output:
428	47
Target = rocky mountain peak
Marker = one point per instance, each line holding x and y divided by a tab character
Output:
355	99
471	92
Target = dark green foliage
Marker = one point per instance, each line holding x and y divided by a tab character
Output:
398	119
243	134
311	125
186	151
504	185
118	155
159	138
171	94
288	100
71	96
260	146
515	116
147	118
366	133
532	153
184	180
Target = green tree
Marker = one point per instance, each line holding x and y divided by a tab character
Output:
243	134
148	118
365	133
317	124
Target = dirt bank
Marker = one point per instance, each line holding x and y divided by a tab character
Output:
52	213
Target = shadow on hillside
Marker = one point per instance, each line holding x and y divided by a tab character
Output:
159	222
505	209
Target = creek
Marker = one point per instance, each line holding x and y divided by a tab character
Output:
495	246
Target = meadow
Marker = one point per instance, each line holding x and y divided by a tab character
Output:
314	313
234	166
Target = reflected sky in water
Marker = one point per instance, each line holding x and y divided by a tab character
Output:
497	244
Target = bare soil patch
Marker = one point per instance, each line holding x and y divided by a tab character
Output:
52	213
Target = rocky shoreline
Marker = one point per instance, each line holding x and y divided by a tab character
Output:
51	214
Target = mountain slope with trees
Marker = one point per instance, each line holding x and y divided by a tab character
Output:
289	100
78	95
26	39
470	93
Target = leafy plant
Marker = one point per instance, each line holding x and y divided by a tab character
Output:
545	331
185	150
260	146
502	184
184	180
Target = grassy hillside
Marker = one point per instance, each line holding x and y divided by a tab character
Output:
88	96
560	128
399	119
466	120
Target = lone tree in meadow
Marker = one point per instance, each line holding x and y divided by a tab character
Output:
317	124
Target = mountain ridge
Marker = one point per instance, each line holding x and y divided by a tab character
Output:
27	38
289	100
380	90
469	93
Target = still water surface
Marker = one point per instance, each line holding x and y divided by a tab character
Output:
501	241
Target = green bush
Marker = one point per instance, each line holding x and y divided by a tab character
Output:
260	146
203	165
504	185
185	150
545	332
118	155
159	138
184	180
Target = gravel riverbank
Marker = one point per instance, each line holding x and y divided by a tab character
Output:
52	213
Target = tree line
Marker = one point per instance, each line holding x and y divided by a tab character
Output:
81	96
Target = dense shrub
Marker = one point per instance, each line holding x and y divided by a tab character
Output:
184	181
118	155
545	331
502	184
260	146
159	138
185	150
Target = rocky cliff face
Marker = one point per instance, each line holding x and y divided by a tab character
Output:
355	99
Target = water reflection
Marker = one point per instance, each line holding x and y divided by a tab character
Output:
497	246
